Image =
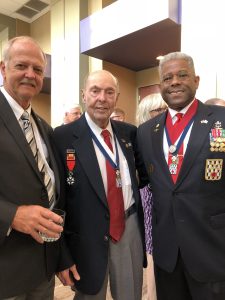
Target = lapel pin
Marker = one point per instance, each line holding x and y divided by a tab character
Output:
204	121
128	145
156	128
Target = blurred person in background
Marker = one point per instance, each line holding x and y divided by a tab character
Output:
72	113
118	114
148	108
215	101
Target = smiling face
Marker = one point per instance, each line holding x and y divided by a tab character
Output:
23	71
178	83
100	95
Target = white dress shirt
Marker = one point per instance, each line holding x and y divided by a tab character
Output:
124	169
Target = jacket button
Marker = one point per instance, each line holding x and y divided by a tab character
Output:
107	216
106	238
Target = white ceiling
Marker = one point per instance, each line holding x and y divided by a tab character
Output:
9	8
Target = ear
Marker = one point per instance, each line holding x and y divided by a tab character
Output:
2	67
83	96
197	79
117	97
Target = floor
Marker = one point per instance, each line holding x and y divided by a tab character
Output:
65	293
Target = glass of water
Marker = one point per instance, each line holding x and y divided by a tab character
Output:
44	236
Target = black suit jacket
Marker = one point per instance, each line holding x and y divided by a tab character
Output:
87	218
24	263
188	215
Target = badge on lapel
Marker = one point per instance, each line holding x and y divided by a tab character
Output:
156	128
127	145
70	163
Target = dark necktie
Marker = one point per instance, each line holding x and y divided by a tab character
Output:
114	197
29	134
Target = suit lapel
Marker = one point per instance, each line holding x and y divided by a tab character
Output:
157	132
203	122
16	132
85	152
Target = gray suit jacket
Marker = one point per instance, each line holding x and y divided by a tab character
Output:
188	215
24	263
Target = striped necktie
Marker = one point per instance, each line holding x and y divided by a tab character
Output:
29	134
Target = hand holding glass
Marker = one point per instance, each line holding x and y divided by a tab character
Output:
44	236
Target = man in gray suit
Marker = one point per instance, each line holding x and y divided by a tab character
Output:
27	264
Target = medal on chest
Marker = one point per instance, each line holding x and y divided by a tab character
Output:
174	164
70	163
118	179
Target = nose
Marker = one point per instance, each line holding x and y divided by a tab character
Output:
101	95
30	73
175	79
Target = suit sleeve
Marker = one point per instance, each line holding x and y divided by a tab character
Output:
7	213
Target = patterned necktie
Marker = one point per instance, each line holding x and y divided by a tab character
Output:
114	197
29	134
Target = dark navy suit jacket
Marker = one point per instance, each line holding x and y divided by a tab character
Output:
87	219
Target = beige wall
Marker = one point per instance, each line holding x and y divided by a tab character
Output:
40	30
22	28
42	106
127	82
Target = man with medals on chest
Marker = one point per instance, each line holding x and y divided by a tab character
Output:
104	229
183	150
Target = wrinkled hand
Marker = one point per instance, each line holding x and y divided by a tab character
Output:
31	219
66	276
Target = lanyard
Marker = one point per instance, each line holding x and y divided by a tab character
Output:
174	149
116	165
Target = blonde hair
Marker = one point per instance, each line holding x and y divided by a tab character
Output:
147	104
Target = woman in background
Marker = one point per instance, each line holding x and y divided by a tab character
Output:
148	108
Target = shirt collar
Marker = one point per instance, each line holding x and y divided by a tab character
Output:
95	128
17	109
183	111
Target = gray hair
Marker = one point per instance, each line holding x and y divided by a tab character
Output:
173	56
147	104
70	106
9	44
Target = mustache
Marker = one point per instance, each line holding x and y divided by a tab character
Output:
28	81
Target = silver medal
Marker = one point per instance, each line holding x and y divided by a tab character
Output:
172	148
118	179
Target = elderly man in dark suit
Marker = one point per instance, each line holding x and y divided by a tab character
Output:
27	264
104	228
184	153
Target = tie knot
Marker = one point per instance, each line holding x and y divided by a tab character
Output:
105	133
25	116
26	120
179	116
